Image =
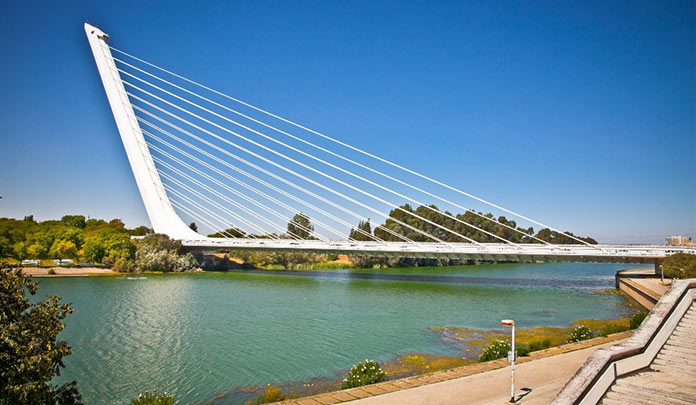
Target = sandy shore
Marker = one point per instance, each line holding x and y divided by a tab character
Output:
66	271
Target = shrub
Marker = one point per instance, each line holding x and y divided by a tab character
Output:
364	373
536	345
580	333
272	394
612	328
497	349
51	271
637	319
522	351
680	265
153	398
123	265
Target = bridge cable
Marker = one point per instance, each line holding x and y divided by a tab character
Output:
446	214
289	171
212	191
294	161
200	173
383	160
251	176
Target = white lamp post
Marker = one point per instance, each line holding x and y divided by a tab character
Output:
512	356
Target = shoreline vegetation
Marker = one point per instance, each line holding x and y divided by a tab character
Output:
75	240
545	340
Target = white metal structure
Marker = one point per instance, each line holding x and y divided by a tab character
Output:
222	171
162	216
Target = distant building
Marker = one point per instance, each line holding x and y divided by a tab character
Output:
29	262
679	240
59	262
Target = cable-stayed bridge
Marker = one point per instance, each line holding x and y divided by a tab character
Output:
260	181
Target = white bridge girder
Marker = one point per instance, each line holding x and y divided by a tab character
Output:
466	251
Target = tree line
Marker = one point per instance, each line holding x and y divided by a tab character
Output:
445	226
96	241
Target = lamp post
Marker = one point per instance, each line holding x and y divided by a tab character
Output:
512	356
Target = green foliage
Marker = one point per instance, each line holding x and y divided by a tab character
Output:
611	328
272	394
62	249
497	349
76	221
30	356
487	222
364	373
680	265
637	319
542	344
581	333
153	398
72	236
522	351
158	252
232	232
363	233
300	226
123	265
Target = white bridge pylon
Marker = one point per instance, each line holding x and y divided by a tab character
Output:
218	161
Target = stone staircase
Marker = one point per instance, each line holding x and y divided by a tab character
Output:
671	378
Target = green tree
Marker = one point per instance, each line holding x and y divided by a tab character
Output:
37	251
300	226
30	356
680	265
20	250
77	221
62	249
366	233
158	252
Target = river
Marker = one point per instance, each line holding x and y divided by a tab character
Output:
197	335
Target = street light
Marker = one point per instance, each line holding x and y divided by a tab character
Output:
512	356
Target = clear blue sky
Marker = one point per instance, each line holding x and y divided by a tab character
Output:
580	114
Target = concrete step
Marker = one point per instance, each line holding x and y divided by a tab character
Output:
628	395
671	357
607	400
683	334
677	388
612	397
673	369
677	363
654	393
679	349
681	342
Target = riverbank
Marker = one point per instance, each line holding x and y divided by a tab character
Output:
417	368
68	271
546	371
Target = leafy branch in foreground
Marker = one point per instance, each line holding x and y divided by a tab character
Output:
30	356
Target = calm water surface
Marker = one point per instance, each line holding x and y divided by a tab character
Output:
195	335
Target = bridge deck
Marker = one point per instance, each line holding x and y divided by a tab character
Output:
464	251
670	379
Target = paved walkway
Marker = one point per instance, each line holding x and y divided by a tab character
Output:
546	372
544	376
670	379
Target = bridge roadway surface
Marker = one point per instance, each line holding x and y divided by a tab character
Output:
467	251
